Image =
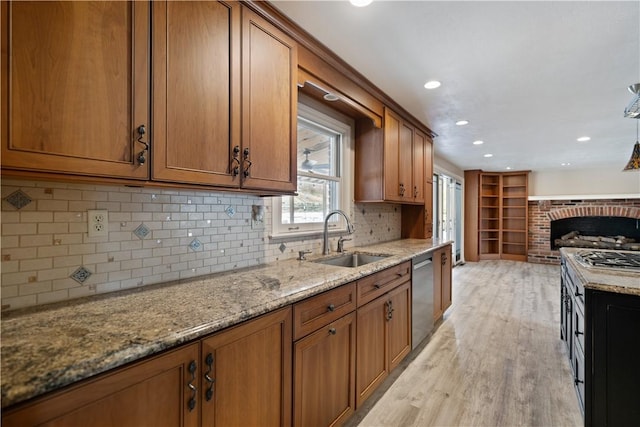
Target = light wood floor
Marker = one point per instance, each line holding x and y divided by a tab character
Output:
495	360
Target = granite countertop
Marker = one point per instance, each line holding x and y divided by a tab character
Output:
603	279
45	348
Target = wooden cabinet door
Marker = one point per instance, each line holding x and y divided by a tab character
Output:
399	324
372	366
269	106
73	97
438	309
324	389
419	161
405	166
150	393
392	127
250	370
196	84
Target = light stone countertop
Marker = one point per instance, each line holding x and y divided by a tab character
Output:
45	348
603	279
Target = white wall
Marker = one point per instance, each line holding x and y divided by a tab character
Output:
444	166
584	182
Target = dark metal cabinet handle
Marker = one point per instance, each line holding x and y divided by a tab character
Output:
209	362
578	332
402	190
376	285
415	191
331	307
332	331
246	159
193	388
389	305
142	130
235	161
577	293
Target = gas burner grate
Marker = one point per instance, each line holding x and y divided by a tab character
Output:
627	261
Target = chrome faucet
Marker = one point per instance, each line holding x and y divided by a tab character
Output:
325	237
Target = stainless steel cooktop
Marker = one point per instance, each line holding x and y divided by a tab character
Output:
626	261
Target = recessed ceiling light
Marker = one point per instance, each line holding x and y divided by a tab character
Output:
360	3
462	122
331	97
478	142
432	84
508	168
488	155
565	164
583	139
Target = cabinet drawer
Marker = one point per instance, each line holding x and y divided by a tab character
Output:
318	311
371	287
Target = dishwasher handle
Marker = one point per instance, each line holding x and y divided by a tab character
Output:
422	264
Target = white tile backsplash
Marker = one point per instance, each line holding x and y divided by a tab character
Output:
44	242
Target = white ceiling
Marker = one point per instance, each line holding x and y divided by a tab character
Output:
530	77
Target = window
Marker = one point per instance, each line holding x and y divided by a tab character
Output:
323	163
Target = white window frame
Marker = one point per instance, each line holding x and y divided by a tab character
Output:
319	114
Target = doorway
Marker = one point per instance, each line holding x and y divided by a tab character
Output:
447	211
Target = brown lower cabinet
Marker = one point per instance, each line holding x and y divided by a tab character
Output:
383	338
441	281
324	387
249	367
347	340
250	385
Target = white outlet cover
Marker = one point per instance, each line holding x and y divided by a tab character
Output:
98	223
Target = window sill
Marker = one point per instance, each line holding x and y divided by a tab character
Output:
301	235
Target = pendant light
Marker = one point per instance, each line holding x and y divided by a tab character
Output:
634	162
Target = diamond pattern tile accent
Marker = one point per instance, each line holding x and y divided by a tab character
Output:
230	210
282	247
81	274
18	199
195	245
141	231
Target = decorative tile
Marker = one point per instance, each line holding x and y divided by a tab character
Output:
141	231
18	199
282	247
231	211
81	274
195	245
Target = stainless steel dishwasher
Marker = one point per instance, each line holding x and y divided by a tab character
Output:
421	298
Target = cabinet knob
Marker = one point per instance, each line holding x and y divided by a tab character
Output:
376	285
331	307
332	331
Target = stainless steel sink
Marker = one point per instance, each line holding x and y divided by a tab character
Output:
353	259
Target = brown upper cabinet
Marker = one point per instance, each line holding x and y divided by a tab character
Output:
224	97
196	90
391	162
73	98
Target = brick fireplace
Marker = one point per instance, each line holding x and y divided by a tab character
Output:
542	212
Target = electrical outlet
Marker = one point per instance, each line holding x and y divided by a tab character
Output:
98	222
